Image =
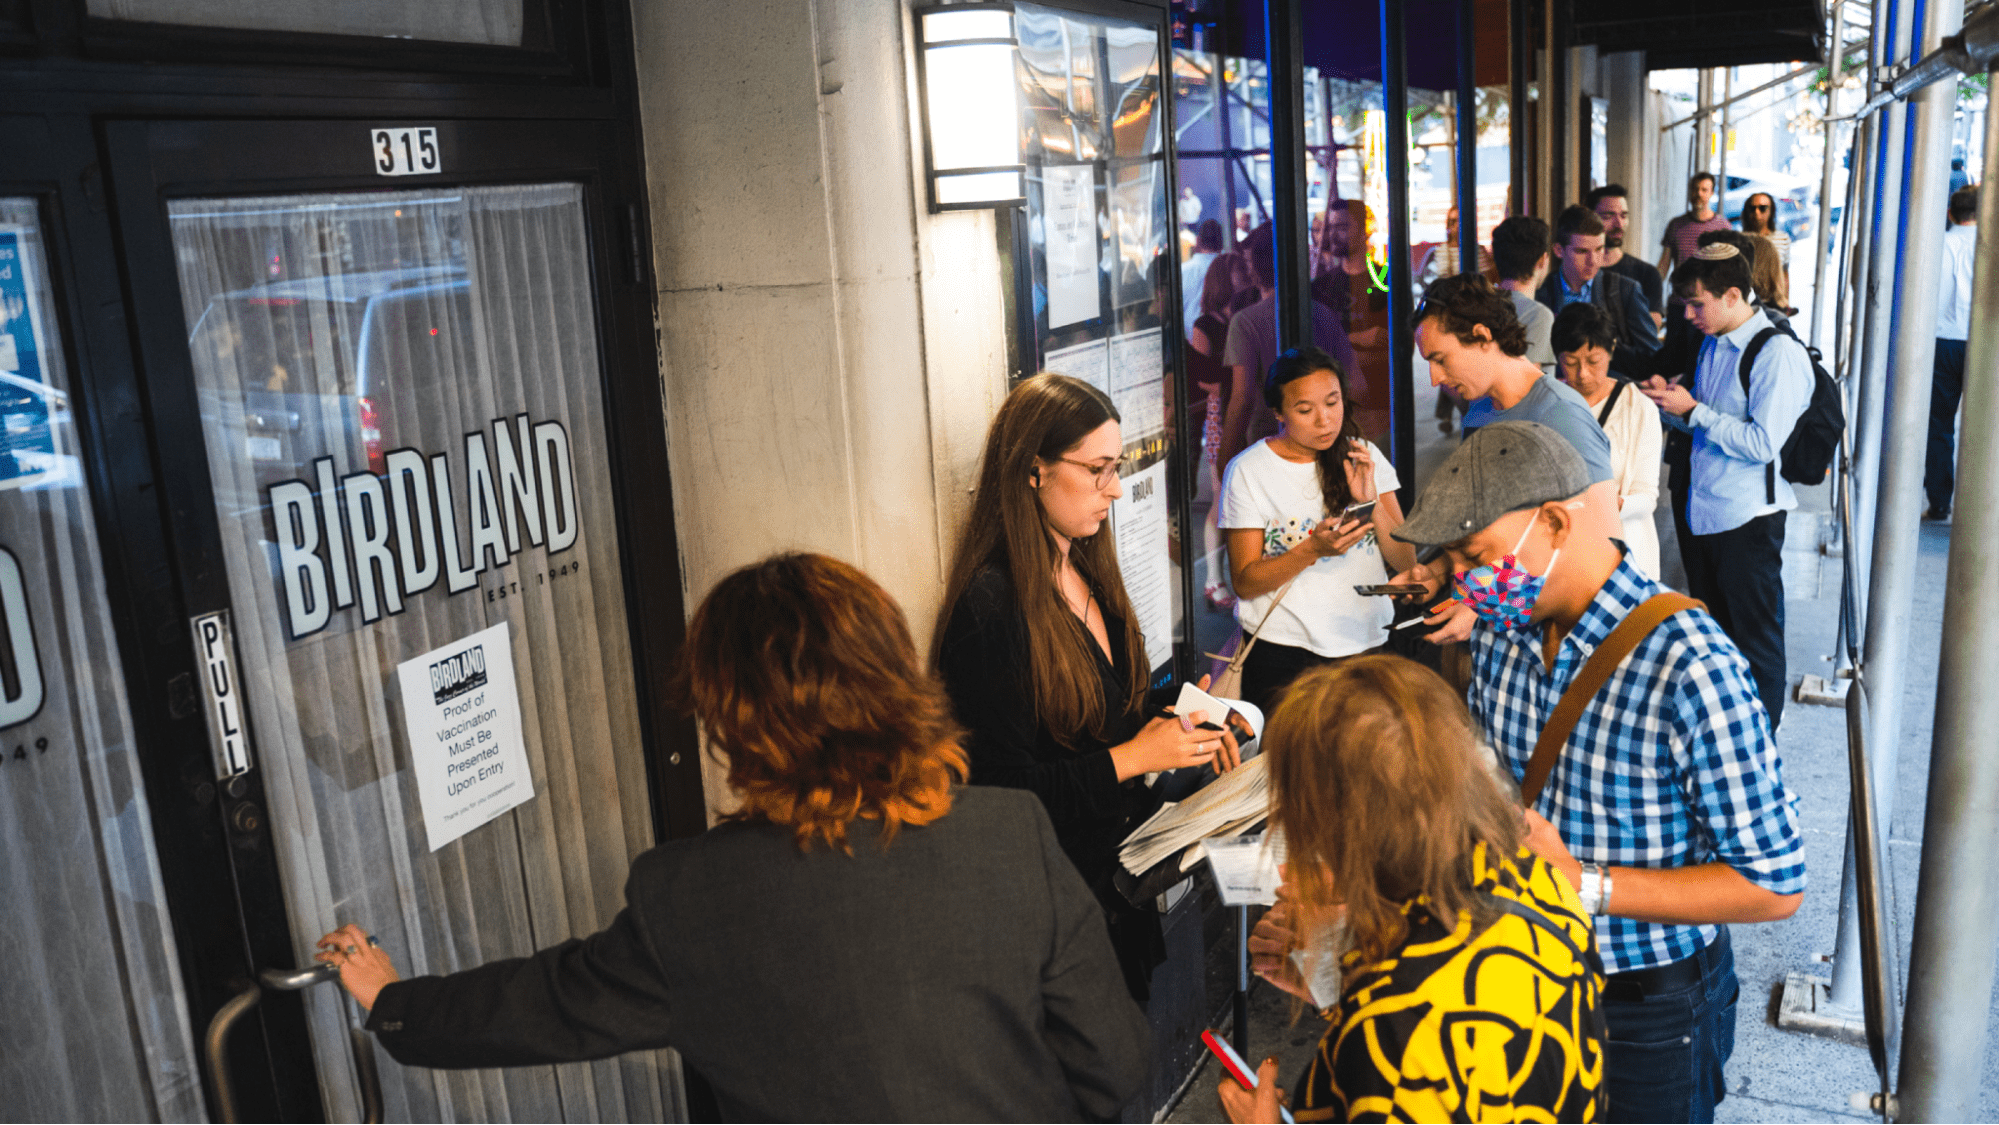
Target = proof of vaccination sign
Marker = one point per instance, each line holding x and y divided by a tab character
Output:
463	715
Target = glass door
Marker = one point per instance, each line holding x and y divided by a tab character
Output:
407	537
96	1016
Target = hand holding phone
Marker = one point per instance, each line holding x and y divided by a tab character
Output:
1363	512
1391	590
1240	1108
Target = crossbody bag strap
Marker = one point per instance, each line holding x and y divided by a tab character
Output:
1635	627
1241	656
1610	404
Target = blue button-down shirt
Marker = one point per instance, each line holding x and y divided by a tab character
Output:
1571	296
1671	765
1736	436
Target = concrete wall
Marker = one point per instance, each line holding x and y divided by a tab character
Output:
830	352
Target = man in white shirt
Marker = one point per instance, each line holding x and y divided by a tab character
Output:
1729	508
1584	339
1194	273
1953	325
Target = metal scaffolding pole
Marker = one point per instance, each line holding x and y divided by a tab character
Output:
1825	175
1855	219
1897	523
1704	130
1888	230
1727	112
1956	944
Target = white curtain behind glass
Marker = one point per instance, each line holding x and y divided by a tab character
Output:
315	322
96	1023
496	22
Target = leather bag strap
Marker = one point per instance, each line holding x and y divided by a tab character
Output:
1241	656
1636	626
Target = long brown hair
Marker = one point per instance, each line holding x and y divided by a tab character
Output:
802	671
1377	783
1045	416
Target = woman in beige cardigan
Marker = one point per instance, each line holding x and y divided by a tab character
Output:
1583	339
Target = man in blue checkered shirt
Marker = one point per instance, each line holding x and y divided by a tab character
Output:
1667	805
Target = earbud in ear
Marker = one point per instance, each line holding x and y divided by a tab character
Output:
1034	477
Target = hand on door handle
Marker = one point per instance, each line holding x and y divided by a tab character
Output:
359	960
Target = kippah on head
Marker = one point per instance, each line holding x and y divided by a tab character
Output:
1716	252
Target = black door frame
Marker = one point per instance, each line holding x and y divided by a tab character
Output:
78	93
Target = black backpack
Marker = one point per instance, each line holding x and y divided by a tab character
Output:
1808	453
1814	442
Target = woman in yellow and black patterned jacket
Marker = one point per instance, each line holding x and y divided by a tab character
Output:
1470	985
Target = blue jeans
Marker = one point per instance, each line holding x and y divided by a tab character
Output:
1667	1050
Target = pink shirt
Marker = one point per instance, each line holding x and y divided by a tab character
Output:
1684	234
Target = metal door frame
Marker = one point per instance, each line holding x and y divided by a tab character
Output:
232	909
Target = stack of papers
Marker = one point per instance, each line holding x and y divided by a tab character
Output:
1224	807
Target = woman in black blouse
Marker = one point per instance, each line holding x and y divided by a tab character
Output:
1039	653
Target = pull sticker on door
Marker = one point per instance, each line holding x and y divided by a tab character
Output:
215	648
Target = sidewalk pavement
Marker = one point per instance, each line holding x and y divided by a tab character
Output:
1775	1076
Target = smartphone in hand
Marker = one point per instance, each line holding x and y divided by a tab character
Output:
1391	589
1239	1070
1360	513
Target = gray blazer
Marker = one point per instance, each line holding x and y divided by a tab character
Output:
963	974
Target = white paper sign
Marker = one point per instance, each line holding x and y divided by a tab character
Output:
1139	517
1138	383
1089	362
462	712
1069	222
1245	867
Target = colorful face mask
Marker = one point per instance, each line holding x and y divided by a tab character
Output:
1503	593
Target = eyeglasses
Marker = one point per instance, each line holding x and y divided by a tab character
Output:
1759	206
1100	475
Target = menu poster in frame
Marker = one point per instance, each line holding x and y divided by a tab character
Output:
1069	224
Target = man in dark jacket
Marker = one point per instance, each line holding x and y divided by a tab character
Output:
1581	277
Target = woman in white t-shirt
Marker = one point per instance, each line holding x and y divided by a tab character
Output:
1283	503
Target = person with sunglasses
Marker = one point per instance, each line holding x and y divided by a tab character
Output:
1759	217
1041	652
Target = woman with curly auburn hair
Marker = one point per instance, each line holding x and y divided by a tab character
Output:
1471	980
861	940
1038	647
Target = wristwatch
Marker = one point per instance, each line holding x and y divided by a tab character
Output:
1595	891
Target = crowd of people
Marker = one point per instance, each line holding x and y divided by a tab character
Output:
1525	862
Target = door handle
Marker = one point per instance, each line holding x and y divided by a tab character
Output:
215	1043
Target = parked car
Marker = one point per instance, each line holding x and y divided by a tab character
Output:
1797	199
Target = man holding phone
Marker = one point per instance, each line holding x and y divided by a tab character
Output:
1475	345
1665	805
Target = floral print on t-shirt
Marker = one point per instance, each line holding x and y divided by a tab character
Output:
1280	537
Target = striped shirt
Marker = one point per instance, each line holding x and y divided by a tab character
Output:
1671	765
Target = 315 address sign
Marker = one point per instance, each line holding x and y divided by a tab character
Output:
405	152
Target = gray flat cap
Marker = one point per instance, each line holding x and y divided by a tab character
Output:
1498	469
